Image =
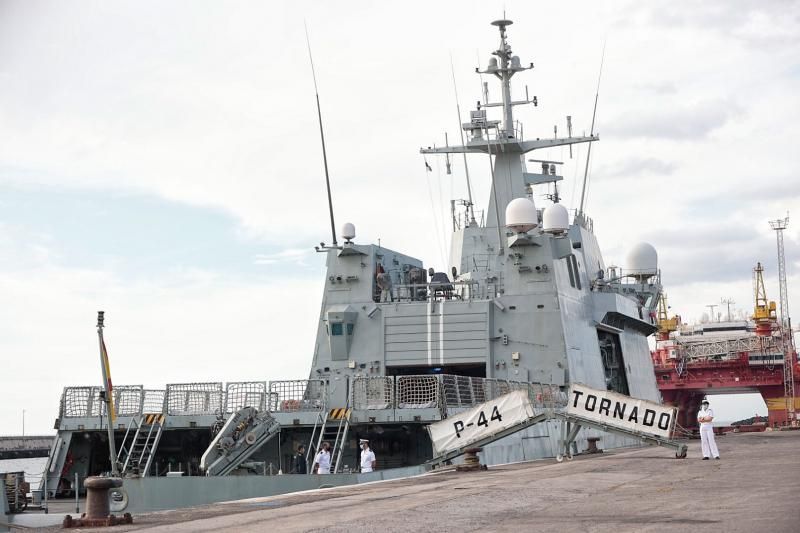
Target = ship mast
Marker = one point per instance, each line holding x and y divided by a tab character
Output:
500	138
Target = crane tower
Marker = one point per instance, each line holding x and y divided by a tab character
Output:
764	312
786	323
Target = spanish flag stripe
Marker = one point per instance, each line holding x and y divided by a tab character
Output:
109	387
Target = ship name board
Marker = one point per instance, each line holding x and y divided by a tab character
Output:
479	422
617	410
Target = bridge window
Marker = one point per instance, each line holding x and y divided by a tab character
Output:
577	272
571	274
574	273
336	328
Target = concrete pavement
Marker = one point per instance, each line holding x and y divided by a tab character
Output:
755	487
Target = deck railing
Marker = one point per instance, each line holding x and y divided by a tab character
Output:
371	393
297	395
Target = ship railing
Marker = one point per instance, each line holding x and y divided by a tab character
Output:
418	392
450	290
445	391
465	391
129	400
81	402
194	398
297	395
372	393
153	401
242	394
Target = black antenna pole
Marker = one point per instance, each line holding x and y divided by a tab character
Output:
322	137
591	132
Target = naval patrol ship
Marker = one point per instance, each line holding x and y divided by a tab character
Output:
527	302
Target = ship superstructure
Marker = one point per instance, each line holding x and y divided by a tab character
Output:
527	303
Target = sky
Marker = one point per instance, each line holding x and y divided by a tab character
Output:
161	161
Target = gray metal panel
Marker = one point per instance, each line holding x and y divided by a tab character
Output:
448	332
157	494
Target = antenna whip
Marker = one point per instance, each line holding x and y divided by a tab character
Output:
461	132
591	132
322	137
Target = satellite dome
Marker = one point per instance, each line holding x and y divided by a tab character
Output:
642	260
555	219
348	231
521	215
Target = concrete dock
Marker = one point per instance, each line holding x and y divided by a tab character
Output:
754	487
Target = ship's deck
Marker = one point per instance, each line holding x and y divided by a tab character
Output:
750	489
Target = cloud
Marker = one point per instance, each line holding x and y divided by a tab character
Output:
184	326
291	255
213	109
674	122
636	167
751	21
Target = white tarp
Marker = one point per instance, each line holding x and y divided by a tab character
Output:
480	421
618	410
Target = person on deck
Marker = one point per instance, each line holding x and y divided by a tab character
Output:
706	416
322	461
385	285
300	460
367	456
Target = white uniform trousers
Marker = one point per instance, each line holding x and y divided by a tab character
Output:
707	442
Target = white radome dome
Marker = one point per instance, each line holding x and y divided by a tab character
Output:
642	260
555	219
348	231
521	215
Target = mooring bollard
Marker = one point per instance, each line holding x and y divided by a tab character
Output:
98	506
593	445
471	461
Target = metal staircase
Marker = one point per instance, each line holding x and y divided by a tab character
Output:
139	446
333	427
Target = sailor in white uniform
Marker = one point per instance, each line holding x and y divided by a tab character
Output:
367	456
705	416
322	461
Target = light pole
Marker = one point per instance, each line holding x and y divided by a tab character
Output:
23	422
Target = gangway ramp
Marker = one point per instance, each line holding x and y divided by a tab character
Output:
581	406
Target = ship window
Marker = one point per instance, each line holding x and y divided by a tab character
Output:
571	274
350	328
336	328
577	272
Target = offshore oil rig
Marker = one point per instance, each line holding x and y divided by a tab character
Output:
732	357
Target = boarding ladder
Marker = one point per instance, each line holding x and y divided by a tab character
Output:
140	443
333	426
